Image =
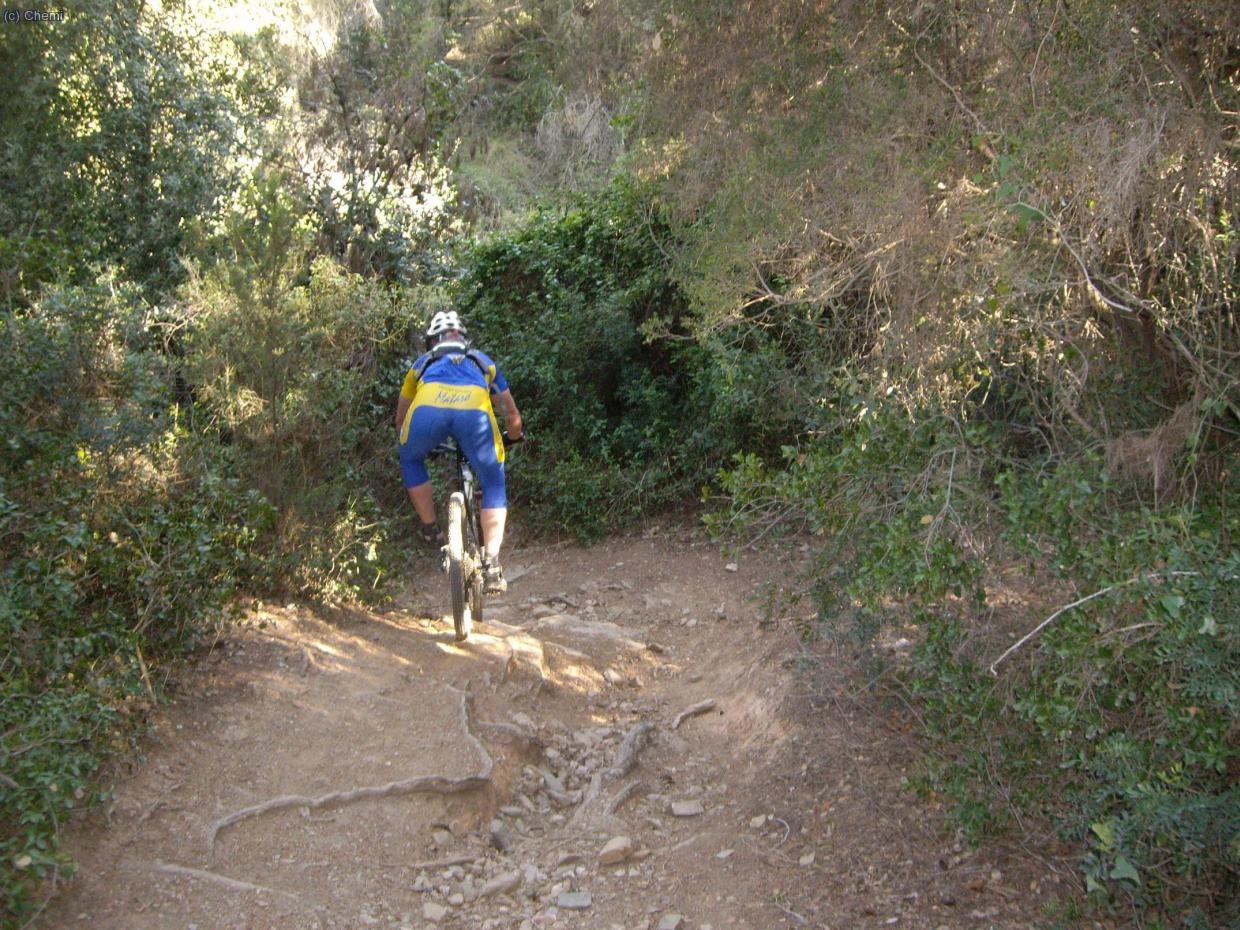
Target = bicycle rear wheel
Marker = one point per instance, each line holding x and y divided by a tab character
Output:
473	554
458	580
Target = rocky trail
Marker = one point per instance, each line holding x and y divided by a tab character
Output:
628	742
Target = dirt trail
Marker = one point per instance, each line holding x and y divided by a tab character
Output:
352	769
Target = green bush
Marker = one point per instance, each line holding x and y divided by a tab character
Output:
123	540
1135	693
579	310
1118	723
289	360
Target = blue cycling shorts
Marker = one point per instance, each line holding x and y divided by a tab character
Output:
427	425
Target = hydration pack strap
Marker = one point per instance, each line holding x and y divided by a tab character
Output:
443	351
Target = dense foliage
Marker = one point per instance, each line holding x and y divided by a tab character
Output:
998	301
124	538
950	288
579	307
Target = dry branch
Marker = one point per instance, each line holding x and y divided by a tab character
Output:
699	708
427	784
1153	576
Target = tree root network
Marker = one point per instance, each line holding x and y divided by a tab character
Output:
427	784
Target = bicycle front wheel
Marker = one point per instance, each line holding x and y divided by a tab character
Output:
457	572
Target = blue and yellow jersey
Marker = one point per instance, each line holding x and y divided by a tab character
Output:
455	369
455	382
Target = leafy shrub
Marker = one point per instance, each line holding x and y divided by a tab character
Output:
578	309
288	359
1135	692
122	134
1118	723
123	539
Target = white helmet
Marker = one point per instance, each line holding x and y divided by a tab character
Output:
443	321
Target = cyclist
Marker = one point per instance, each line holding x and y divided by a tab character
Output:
453	389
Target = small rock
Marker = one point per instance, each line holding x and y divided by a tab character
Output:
456	899
758	822
807	859
434	912
687	808
724	854
618	849
442	837
671	922
501	884
574	900
501	838
731	567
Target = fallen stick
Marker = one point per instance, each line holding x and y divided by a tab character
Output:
214	878
632	744
699	708
437	784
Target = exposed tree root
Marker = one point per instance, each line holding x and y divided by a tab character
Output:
626	757
214	878
593	811
428	784
443	863
699	708
515	734
629	790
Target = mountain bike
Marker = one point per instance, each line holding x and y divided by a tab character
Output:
463	554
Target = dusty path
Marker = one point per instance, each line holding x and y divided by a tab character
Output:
350	769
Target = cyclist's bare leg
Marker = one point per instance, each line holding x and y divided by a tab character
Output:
423	499
493	520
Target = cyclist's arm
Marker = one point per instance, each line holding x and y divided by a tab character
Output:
507	407
407	389
402	408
